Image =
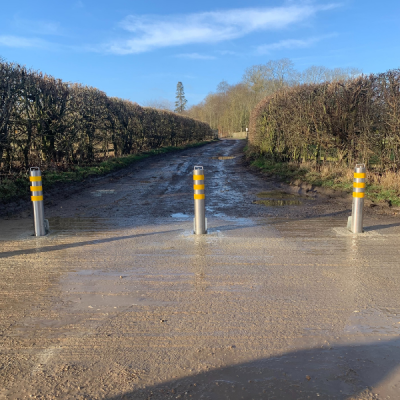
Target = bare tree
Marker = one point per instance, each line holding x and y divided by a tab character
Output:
320	74
266	79
229	108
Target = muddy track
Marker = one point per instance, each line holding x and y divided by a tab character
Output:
224	189
121	300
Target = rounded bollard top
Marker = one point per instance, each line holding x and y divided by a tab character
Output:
198	170
35	171
359	168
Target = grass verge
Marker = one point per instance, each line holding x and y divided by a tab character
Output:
379	187
17	187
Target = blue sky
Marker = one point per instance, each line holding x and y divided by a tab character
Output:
139	50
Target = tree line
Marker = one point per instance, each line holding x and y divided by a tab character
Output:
45	121
347	121
229	108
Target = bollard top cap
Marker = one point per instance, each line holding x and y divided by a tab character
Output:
359	168
35	171
196	167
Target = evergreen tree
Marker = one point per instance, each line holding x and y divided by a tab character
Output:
180	103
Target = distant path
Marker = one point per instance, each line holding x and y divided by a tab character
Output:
121	300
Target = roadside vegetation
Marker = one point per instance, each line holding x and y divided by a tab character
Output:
379	188
313	126
71	130
318	132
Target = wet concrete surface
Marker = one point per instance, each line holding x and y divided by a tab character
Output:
121	300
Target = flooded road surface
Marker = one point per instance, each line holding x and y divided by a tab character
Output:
122	301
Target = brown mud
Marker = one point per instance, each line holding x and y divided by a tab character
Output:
122	301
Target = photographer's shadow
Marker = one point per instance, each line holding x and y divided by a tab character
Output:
338	372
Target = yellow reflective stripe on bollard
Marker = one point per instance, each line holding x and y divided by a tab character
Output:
360	195
198	177
198	187
199	196
36	188
359	185
359	175
35	178
36	198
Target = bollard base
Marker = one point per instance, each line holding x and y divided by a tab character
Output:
349	221
45	231
194	226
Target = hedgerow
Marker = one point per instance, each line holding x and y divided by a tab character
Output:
343	122
49	123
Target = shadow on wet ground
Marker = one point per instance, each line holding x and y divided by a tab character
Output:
356	371
46	249
379	227
332	214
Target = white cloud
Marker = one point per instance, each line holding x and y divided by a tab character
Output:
290	44
150	32
196	56
21	42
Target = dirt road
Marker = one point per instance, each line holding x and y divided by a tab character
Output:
122	301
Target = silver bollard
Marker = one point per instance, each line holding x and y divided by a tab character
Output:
40	224
200	222
356	222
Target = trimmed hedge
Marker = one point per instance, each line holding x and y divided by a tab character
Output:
350	121
46	122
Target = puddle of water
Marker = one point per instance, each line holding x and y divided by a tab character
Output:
97	290
180	215
278	203
375	320
99	193
276	198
